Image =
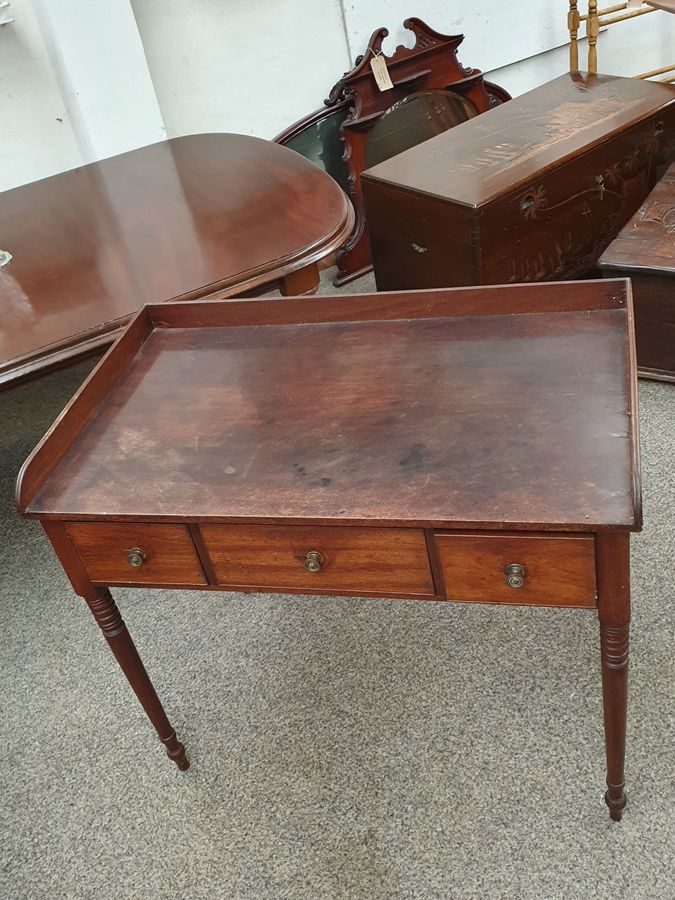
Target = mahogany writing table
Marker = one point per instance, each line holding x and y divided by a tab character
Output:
183	218
473	444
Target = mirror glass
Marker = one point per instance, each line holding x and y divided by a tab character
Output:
321	143
414	119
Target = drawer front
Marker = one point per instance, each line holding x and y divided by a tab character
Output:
280	557
556	571
167	555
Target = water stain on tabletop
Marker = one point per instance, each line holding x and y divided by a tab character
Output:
414	458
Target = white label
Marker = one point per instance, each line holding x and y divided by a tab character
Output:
381	73
633	4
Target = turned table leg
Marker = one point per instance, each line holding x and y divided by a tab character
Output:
112	625
613	559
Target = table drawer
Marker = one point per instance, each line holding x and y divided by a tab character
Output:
167	554
330	558
556	570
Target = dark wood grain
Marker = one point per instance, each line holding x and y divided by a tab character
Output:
486	300
645	251
184	217
610	294
427	421
92	392
304	281
230	440
365	560
533	190
550	124
430	63
559	571
613	564
647	243
171	557
109	620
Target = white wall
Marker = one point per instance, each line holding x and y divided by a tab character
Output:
496	33
241	65
36	137
289	53
85	79
626	48
98	57
74	87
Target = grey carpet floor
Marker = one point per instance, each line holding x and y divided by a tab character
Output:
339	748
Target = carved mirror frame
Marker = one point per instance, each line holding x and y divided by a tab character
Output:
431	64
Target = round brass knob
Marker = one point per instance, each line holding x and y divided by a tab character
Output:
136	557
515	575
313	561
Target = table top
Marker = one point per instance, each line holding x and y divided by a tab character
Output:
495	407
647	241
503	149
178	218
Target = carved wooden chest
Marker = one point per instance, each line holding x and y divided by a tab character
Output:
644	251
532	190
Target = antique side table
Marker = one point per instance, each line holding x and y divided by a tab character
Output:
645	252
182	218
476	445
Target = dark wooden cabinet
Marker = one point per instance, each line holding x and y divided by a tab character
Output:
645	252
533	190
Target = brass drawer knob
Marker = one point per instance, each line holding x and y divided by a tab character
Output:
136	557
313	561
515	575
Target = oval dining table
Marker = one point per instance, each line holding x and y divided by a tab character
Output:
204	215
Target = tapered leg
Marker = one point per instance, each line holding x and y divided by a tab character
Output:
614	613
110	622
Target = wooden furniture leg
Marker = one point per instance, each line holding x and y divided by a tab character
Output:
112	625
573	28
613	562
302	281
592	30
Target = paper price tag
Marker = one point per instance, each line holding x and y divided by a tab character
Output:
381	73
633	4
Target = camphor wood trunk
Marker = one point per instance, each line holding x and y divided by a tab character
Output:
530	191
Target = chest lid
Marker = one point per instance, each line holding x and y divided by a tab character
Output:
503	149
648	240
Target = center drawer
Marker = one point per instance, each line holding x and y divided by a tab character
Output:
323	558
